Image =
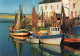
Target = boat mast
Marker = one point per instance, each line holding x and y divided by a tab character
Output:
26	9
53	20
42	18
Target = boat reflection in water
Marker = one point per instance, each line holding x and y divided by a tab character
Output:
51	49
21	48
68	51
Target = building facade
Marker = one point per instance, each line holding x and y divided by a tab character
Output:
48	8
74	8
71	8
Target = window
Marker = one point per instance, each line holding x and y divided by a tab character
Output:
75	13
47	15
73	6
57	7
51	7
45	7
58	29
41	7
55	29
72	14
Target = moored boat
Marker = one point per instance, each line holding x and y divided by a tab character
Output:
54	37
20	37
72	32
20	32
72	41
17	29
32	40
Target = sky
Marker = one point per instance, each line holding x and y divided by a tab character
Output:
10	6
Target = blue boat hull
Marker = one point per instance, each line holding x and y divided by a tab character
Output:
51	39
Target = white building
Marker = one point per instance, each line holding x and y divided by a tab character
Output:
74	8
49	7
71	7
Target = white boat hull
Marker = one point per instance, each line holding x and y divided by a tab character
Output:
55	41
28	40
34	41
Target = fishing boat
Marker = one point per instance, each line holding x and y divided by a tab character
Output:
52	36
35	17
17	28
71	31
72	41
32	40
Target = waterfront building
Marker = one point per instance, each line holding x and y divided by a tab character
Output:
71	8
48	7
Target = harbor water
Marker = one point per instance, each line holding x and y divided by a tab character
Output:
13	47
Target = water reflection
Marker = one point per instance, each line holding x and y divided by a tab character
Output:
22	48
25	49
51	49
17	44
68	51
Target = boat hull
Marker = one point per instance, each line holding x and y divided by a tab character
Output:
51	39
19	33
19	37
55	41
33	41
74	43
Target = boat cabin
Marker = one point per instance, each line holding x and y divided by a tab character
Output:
54	30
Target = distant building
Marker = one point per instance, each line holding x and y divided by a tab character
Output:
71	8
